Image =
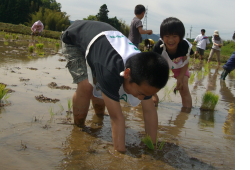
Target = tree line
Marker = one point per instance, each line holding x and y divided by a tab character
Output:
103	17
27	12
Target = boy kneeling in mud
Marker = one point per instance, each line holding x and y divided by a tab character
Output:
105	64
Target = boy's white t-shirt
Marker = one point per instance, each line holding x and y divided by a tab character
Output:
202	41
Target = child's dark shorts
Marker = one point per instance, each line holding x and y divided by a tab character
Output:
76	62
200	51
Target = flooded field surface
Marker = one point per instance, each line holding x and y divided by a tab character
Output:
36	130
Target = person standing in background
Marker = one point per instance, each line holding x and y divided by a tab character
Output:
136	30
216	48
202	41
37	29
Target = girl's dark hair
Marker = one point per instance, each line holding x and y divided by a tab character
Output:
139	9
171	26
148	67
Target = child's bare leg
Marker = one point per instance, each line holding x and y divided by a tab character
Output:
81	101
185	94
98	105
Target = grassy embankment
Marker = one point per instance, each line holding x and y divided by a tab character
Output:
22	29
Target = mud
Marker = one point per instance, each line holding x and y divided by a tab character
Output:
37	134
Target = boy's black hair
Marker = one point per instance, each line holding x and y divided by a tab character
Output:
148	67
203	30
139	9
171	26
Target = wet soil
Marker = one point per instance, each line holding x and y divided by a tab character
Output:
37	131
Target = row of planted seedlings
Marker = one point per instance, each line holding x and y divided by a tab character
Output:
38	47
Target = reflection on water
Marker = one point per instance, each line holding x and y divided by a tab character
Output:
195	140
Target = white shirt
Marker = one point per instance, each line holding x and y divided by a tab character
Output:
202	41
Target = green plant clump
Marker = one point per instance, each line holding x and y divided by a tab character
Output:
3	91
31	49
209	101
39	46
148	141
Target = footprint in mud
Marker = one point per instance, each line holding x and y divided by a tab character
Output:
53	85
42	98
31	68
23	79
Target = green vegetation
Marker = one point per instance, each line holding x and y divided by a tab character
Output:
3	91
22	29
39	46
209	101
31	49
149	143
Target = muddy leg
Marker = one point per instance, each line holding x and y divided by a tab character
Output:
98	105
185	95
81	102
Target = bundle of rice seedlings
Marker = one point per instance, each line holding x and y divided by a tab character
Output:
148	141
209	101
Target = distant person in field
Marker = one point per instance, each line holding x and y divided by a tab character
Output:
136	30
149	43
230	64
176	50
37	29
202	40
216	48
108	68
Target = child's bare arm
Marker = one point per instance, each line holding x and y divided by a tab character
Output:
117	123
149	32
150	118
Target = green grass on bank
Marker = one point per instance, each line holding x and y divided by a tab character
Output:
22	29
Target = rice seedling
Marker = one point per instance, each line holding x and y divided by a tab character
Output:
209	101
52	114
57	45
39	46
3	91
31	49
206	69
69	105
191	78
199	75
6	36
148	141
61	108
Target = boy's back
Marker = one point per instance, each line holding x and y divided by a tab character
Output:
136	26
134	34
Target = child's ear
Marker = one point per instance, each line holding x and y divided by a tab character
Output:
126	73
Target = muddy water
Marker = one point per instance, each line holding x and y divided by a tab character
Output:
39	135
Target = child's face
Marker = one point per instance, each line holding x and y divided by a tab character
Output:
171	42
141	91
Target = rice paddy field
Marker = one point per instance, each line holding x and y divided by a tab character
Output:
37	131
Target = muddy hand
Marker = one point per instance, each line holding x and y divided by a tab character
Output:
175	90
